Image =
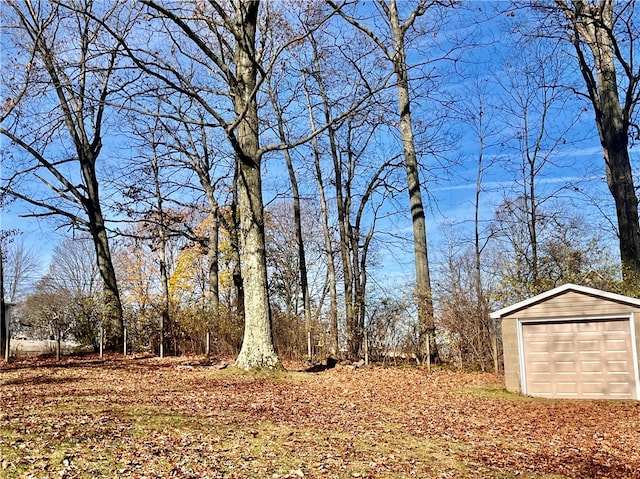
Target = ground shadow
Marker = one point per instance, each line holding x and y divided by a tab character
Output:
318	368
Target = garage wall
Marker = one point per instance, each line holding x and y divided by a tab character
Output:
569	304
511	355
573	304
636	315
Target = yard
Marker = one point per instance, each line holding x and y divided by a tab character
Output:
136	418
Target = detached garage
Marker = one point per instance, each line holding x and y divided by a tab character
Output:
572	342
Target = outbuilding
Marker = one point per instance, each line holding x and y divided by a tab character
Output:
572	342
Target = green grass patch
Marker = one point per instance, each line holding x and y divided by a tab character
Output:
496	393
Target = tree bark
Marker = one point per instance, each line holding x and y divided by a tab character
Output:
257	346
114	327
426	326
4	329
594	30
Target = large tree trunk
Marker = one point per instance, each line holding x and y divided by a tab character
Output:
426	326
594	30
112	316
257	347
621	185
613	127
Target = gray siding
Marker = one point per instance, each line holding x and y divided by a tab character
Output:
573	304
511	355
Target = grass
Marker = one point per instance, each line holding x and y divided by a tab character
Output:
497	393
153	418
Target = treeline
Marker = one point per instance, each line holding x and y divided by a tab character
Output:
155	131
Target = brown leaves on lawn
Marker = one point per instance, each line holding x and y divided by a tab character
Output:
177	418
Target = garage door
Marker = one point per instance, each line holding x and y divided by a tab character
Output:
579	359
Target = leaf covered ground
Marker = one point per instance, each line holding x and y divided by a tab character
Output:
152	418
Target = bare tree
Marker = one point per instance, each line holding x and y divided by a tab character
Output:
463	311
21	266
225	36
533	106
604	35
569	250
297	214
333	333
393	45
480	114
220	59
66	302
56	128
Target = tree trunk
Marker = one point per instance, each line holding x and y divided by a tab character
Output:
4	327
58	344
202	164
297	218
114	325
164	279
342	206
87	150
162	251
332	333
213	264
613	127
348	252
426	326
234	240
257	346
621	185
594	29
488	333
302	260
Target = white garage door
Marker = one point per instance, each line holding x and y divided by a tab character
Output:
579	359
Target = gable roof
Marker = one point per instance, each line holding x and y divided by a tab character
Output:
563	289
